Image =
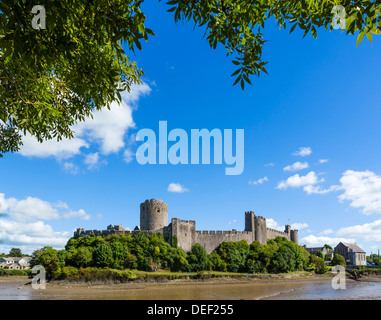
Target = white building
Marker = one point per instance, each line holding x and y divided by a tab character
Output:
15	262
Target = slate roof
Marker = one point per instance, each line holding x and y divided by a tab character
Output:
353	246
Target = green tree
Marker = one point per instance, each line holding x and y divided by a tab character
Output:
179	260
318	264
103	256
328	247
338	260
198	258
49	258
15	252
216	263
234	254
82	257
54	77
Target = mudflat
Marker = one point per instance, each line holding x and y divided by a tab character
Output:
312	287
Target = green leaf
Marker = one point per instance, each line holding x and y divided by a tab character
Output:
293	27
235	72
360	37
237	80
369	36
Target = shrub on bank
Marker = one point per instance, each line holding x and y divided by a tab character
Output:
14	272
93	274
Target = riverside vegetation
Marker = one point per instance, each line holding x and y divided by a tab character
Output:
123	258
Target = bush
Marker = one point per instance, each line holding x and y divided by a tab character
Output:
338	260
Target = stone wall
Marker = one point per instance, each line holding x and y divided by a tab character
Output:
154	218
272	234
210	240
185	231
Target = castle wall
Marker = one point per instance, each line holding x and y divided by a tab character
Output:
210	240
154	218
272	234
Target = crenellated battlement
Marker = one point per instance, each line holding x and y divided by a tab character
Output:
277	231
154	218
153	204
220	232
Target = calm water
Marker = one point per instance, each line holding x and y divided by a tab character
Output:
276	290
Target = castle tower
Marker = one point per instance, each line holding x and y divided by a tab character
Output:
153	215
260	229
294	236
249	223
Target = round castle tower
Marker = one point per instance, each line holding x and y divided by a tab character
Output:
153	215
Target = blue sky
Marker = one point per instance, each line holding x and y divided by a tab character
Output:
321	97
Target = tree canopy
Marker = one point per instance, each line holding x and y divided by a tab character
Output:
56	76
152	252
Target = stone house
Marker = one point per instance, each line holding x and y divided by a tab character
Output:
15	262
352	253
327	253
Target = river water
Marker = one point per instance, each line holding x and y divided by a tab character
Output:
220	290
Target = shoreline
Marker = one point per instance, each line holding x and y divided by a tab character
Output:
289	286
237	279
221	279
207	279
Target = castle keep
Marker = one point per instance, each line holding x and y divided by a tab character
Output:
154	218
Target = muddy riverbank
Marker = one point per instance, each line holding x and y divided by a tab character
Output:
280	288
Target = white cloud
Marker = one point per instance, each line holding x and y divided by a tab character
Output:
70	167
66	148
299	226
128	156
176	187
368	232
363	189
309	182
107	127
91	160
314	241
31	235
81	214
296	166
32	209
21	222
107	130
297	181
270	164
303	152
319	190
27	210
323	160
325	232
272	224
259	181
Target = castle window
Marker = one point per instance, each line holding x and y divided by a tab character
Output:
158	210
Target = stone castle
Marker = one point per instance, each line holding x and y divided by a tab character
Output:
154	218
